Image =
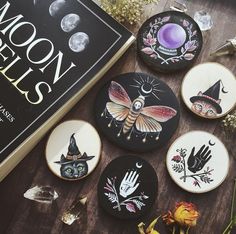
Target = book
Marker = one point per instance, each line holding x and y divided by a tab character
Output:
51	53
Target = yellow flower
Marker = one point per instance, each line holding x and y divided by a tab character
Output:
186	214
150	229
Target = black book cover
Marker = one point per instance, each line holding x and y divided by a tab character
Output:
49	50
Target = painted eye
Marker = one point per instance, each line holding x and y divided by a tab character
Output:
198	107
80	168
68	170
210	112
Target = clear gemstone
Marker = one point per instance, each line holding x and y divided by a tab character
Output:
43	194
203	20
75	212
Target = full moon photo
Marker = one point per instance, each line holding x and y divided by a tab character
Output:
70	22
78	42
56	6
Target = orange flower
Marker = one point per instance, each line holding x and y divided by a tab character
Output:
186	214
168	218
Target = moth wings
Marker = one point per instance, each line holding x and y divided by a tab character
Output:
118	95
148	120
119	107
117	111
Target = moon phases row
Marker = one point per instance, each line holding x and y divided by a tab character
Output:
79	41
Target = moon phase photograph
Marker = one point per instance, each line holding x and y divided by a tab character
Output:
78	42
56	6
70	22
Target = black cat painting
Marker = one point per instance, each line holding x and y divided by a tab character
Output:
74	165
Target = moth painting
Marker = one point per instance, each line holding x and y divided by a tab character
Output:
133	116
74	164
207	103
194	165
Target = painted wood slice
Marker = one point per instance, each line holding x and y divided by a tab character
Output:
127	187
209	89
73	150
198	165
169	41
137	111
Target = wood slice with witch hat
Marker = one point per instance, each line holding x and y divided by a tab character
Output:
137	111
127	187
209	90
169	41
66	143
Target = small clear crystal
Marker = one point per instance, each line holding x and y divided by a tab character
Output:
203	20
43	194
75	212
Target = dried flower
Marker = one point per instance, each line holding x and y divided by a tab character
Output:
168	218
229	124
186	214
150	229
123	10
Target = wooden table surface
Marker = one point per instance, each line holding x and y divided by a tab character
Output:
19	215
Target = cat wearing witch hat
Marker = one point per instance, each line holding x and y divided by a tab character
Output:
207	104
74	165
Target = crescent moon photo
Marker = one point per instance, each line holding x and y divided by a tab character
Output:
78	42
210	143
139	165
223	90
70	22
55	7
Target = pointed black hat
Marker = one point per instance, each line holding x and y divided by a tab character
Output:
73	148
73	153
211	96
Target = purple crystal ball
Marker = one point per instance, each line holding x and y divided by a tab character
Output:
171	36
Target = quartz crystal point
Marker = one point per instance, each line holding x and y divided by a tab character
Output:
203	20
75	211
43	194
228	48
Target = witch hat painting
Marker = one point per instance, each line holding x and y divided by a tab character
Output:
207	104
74	165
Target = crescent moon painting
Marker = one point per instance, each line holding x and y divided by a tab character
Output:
223	90
147	86
210	143
139	165
146	91
78	42
55	7
70	22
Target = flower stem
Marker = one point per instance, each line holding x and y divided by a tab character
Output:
182	231
233	201
118	203
187	230
173	230
228	228
204	173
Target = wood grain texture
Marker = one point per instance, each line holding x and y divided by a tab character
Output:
21	216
